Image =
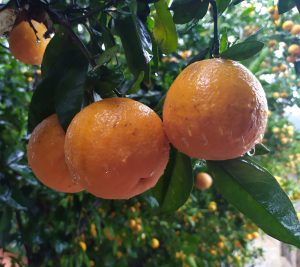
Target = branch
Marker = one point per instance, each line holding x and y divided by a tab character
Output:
216	43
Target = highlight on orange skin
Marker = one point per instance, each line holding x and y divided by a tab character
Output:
24	45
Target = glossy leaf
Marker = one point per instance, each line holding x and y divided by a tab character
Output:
105	81
106	56
285	5
164	29
261	149
136	43
42	102
174	187
222	5
242	51
70	95
257	194
187	10
132	86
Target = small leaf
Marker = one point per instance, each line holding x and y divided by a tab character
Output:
222	5
261	149
223	41
132	86
174	187
164	30
187	10
255	35
257	194
242	51
136	42
285	5
106	56
105	81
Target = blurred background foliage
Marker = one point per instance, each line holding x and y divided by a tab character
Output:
55	229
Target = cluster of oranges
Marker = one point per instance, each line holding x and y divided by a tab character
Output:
294	49
117	148
285	134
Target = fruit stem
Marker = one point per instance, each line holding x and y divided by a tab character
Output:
215	51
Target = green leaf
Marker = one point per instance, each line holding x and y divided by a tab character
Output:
254	67
132	86
261	149
42	101
70	95
136	43
285	5
104	81
222	5
174	187
257	194
242	51
187	10
164	30
255	35
223	41
106	56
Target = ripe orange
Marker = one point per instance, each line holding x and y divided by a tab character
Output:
216	110
23	43
45	152
287	25
116	148
203	181
294	50
295	30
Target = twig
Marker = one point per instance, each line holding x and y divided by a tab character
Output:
216	42
72	34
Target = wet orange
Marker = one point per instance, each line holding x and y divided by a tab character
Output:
116	148
45	152
23	43
215	109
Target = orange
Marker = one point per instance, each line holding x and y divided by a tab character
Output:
23	43
45	152
287	25
295	30
155	243
216	110
294	50
116	148
203	181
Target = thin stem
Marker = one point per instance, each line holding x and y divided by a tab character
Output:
216	43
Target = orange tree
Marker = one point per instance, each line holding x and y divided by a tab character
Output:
136	49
